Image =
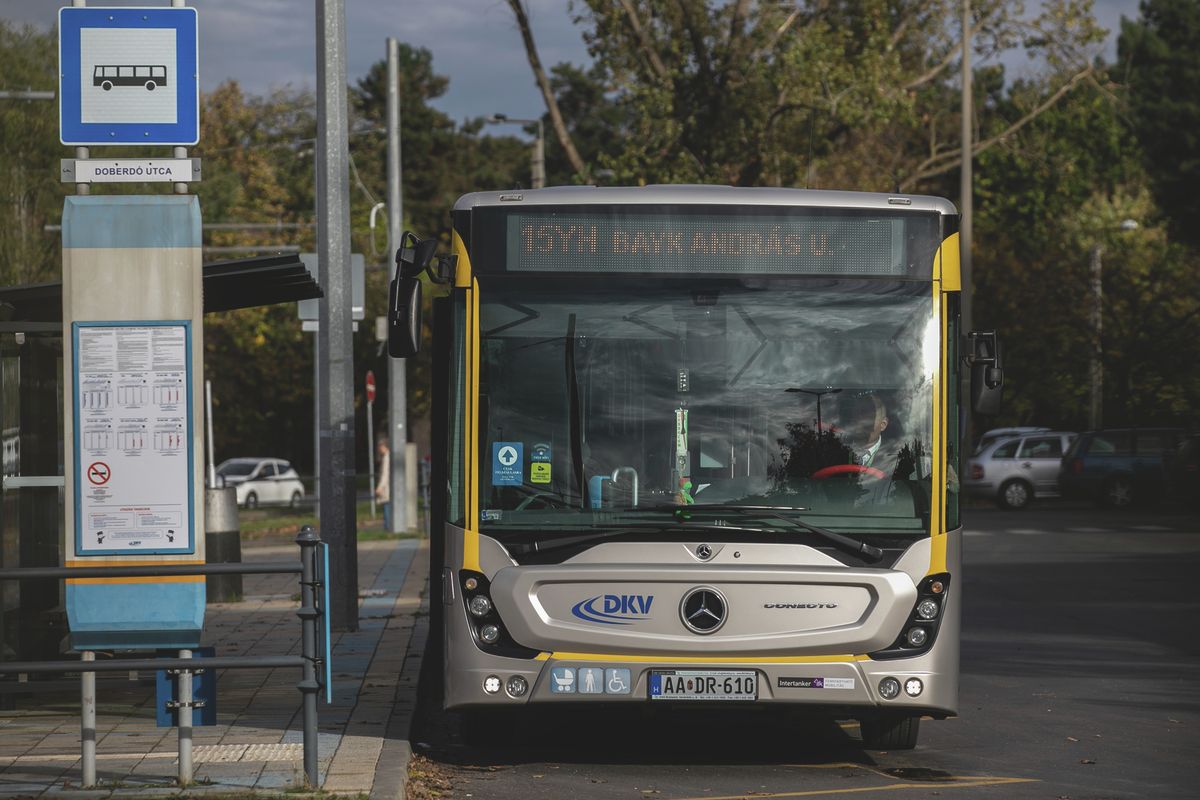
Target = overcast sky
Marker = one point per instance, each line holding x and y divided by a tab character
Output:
268	43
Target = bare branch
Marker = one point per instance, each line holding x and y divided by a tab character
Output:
941	66
948	160
647	47
535	63
782	29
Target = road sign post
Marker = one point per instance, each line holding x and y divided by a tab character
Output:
370	387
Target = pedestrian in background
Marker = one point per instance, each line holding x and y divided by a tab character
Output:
383	485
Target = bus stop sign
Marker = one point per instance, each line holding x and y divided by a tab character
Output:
128	76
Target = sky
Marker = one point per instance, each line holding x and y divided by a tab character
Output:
475	43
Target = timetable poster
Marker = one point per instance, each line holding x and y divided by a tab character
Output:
133	447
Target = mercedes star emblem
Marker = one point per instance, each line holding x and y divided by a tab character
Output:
704	552
703	610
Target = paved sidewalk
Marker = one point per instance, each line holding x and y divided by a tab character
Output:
256	746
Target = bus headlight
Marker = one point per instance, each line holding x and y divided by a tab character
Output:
889	688
517	686
921	628
489	634
480	605
913	687
491	684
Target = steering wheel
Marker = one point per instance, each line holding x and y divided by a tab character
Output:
847	469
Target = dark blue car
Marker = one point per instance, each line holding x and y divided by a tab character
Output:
1120	466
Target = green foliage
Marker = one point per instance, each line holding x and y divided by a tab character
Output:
1159	61
31	195
848	95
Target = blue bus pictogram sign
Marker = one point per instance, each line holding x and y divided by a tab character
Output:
128	76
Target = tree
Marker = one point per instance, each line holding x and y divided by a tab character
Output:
31	195
843	94
1158	58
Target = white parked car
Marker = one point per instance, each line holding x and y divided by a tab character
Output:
262	481
1014	471
996	434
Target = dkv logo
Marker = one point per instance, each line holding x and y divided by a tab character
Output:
614	609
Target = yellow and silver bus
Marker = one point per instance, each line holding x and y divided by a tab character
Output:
699	445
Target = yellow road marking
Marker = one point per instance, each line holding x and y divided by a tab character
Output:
953	783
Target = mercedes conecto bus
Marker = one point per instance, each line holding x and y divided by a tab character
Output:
699	445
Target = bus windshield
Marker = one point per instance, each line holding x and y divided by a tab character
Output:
614	399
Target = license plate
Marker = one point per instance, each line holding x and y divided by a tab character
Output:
694	684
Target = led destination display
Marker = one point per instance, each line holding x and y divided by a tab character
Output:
719	243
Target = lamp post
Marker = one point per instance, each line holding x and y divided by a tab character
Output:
1097	366
817	393
538	160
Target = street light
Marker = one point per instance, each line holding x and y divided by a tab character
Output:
1097	366
538	161
817	393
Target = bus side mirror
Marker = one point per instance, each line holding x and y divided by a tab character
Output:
404	296
987	372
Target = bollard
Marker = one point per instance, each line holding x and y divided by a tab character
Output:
87	723
184	712
308	613
222	543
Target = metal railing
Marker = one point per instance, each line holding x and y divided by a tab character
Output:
311	612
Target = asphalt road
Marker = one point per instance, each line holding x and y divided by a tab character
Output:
1079	662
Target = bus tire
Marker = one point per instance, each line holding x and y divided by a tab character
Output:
106	86
890	731
1015	495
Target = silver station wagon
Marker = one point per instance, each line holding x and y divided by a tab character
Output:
1016	470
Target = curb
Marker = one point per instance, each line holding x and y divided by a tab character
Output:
391	770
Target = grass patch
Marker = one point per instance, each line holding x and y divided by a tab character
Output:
265	523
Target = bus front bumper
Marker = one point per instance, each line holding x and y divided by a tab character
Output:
854	682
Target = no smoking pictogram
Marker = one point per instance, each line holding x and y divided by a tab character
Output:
98	473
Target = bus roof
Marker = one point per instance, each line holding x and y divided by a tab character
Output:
704	194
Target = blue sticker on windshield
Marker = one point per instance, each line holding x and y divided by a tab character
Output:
508	459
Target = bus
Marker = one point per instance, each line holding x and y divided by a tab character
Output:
150	76
698	445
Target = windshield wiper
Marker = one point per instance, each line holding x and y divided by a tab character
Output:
841	541
683	524
626	529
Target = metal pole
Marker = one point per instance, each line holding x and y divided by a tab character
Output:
184	720
371	454
398	368
1097	367
180	152
87	723
308	613
965	191
81	153
539	157
212	468
318	393
336	400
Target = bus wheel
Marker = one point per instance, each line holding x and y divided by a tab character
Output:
1015	494
890	731
106	86
150	86
1118	492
